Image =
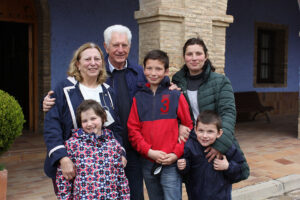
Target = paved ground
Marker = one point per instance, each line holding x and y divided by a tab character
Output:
272	150
293	195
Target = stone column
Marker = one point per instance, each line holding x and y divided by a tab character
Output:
167	24
219	25
161	27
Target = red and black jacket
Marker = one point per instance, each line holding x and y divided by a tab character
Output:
153	119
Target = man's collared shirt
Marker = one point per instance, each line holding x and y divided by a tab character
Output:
112	68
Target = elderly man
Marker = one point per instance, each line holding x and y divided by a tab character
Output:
125	78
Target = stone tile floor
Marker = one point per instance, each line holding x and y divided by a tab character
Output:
272	150
293	195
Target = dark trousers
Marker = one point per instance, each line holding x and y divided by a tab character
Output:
134	174
185	180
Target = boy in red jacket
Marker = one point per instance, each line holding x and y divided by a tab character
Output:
153	128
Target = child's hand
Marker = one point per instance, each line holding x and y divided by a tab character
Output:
181	164
169	159
221	164
156	155
124	161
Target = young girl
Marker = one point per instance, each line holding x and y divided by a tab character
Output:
96	155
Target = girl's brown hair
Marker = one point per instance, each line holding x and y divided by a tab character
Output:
90	104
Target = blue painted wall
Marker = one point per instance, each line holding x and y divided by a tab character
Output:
240	40
76	22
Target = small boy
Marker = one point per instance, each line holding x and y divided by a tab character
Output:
96	155
207	180
153	128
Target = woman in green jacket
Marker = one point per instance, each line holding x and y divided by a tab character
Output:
205	89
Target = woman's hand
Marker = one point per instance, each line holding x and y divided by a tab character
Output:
181	164
67	168
221	164
184	133
48	101
124	161
212	154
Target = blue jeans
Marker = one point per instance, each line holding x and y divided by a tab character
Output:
167	186
133	171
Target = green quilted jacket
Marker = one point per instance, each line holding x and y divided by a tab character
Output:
215	93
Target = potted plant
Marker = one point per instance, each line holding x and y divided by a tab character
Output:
11	125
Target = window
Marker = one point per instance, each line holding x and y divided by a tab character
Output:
270	58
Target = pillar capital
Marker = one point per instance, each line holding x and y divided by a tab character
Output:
159	14
222	20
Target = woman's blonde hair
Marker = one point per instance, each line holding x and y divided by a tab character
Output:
73	69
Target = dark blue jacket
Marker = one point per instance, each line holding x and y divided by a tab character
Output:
135	79
61	119
205	183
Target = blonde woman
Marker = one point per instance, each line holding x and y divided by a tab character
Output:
87	76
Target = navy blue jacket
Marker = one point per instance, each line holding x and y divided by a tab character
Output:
205	183
135	79
61	119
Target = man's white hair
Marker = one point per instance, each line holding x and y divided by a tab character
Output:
117	29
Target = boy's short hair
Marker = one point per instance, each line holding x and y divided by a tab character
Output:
157	55
90	104
209	117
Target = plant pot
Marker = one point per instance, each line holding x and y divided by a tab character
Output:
3	184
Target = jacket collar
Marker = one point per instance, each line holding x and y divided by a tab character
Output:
181	75
92	137
193	137
129	66
163	84
206	72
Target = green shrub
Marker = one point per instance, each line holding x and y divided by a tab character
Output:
11	120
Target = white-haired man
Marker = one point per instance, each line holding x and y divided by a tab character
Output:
125	78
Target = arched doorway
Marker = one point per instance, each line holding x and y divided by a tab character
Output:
18	55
